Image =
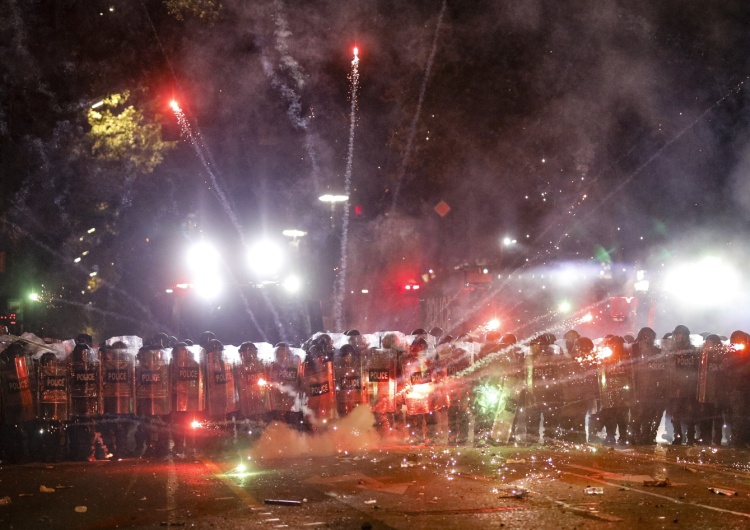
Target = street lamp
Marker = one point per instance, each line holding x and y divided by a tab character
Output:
333	199
295	234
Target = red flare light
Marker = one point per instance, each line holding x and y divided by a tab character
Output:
262	382
175	106
356	51
195	424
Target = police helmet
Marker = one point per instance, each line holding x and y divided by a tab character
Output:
248	347
80	353
508	339
584	345
215	346
437	332
205	338
446	339
85	338
492	336
391	341
646	334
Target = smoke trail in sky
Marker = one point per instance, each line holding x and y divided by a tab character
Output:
290	94
417	112
340	287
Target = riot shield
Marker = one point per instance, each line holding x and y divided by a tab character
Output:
510	388
222	392
349	381
118	380
17	398
252	381
616	386
319	387
417	373
284	382
380	380
53	388
85	384
187	381
152	382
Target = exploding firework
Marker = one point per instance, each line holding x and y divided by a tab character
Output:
340	286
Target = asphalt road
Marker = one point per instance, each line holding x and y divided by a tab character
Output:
366	484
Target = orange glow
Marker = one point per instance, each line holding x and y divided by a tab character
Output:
738	347
420	391
195	424
262	382
603	353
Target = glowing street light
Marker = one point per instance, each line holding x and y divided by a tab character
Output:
333	199
265	258
292	284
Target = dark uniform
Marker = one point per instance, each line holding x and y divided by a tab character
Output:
651	388
683	362
710	377
616	390
542	396
579	389
733	394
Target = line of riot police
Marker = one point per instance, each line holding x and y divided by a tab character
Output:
69	400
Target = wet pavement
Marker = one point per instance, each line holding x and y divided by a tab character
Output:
396	486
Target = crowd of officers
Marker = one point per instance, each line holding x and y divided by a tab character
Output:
125	398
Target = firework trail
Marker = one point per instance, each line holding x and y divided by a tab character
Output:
187	132
340	286
415	120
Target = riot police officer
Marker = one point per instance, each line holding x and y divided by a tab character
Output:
416	371
734	392
349	387
651	387
285	375
542	393
319	389
710	378
85	400
683	360
253	384
380	379
615	390
188	396
579	388
53	406
17	402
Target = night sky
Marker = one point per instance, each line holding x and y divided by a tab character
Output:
586	130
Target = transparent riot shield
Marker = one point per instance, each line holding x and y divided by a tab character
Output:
349	381
616	383
252	382
53	388
417	373
222	392
188	385
17	398
380	380
85	384
152	382
319	388
118	380
284	382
